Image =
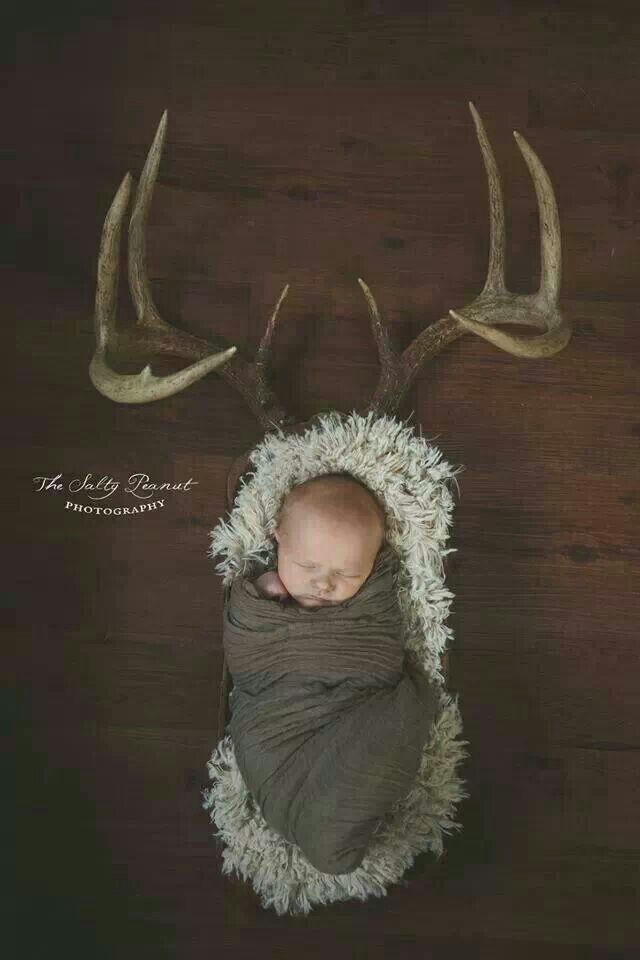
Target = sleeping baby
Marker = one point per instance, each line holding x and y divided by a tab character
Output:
329	714
330	532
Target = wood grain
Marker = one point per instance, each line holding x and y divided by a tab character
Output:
314	145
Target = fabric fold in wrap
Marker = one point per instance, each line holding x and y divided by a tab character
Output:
328	716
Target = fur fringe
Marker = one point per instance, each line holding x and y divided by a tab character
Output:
411	479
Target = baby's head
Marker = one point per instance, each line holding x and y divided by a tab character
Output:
330	531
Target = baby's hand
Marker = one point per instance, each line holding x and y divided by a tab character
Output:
271	586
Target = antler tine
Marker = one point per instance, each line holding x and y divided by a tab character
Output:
127	388
495	304
153	335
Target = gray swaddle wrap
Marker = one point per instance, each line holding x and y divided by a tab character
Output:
328	716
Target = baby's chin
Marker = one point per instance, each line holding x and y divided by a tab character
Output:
311	604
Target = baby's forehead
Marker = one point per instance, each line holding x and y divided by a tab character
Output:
330	502
340	524
336	487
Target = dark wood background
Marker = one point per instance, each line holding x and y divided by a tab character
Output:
314	144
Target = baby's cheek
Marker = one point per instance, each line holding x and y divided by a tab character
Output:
284	575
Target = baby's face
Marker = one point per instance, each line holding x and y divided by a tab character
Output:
322	561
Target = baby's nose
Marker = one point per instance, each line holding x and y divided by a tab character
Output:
323	585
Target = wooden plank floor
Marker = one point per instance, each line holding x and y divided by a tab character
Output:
313	145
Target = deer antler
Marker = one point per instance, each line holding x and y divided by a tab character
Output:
152	335
495	304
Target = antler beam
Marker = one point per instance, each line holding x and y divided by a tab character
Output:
154	336
495	304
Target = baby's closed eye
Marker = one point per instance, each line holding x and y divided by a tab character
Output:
347	576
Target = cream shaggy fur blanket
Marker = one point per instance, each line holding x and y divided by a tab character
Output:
411	479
